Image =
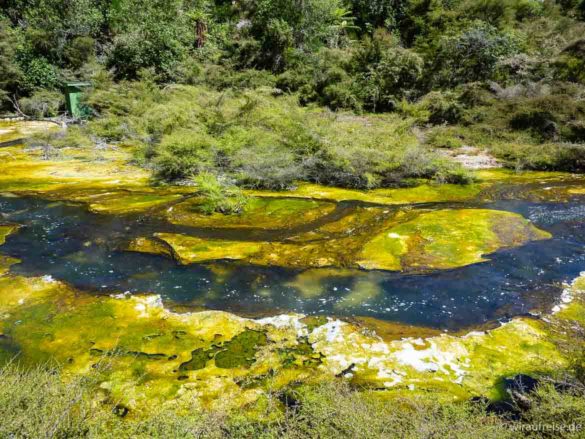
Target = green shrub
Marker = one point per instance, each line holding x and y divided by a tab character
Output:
502	12
224	78
42	103
543	157
570	65
219	196
542	123
79	51
471	55
443	139
442	107
392	79
183	154
39	73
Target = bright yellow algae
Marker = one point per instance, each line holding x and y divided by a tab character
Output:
189	249
71	169
122	201
502	175
139	348
577	191
10	131
424	193
405	240
447	238
6	230
461	366
263	213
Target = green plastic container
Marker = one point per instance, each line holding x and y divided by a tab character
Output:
73	93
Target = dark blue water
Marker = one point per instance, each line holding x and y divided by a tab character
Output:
71	244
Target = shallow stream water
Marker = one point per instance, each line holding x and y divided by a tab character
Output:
69	243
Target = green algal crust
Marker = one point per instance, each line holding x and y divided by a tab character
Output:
264	213
74	169
146	355
10	131
188	249
446	239
122	201
6	261
403	240
423	193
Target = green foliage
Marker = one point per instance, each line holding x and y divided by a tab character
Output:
256	139
182	154
503	12
281	25
10	72
496	71
570	65
39	73
79	51
219	196
42	104
373	14
442	107
441	138
388	73
149	35
471	55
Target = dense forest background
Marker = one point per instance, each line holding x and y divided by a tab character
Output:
505	75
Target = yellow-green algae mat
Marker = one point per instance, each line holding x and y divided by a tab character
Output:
102	178
264	213
15	130
408	240
147	355
447	239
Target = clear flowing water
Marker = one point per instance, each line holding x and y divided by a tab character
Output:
71	244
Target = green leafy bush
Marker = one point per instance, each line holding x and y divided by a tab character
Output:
79	51
471	55
219	196
183	154
442	107
570	65
392	79
38	73
42	103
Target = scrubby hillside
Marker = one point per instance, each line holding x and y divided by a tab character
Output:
453	78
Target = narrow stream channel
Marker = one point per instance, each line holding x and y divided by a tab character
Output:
69	243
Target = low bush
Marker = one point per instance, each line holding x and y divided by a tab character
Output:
259	140
442	107
544	157
183	154
219	196
570	65
42	103
446	139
